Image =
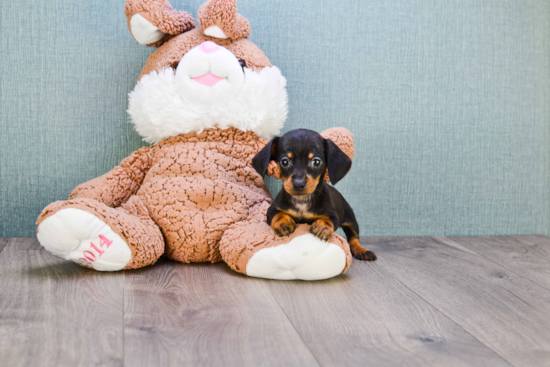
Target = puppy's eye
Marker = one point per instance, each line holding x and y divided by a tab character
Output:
285	162
316	162
243	65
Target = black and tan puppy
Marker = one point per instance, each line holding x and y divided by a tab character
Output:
304	157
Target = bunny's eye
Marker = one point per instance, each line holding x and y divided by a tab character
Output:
242	63
285	162
316	162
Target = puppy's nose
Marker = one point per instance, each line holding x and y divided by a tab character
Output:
208	47
298	185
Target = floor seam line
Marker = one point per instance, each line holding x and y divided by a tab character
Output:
494	262
447	316
520	236
8	240
450	318
293	326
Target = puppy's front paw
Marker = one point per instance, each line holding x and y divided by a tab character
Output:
322	228
283	224
367	255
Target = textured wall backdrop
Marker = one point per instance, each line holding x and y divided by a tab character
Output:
449	101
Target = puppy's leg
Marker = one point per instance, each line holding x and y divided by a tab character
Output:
351	228
283	224
323	228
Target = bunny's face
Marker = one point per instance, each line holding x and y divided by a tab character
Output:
202	78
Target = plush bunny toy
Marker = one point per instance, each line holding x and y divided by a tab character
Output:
206	99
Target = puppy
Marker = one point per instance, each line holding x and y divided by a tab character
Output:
304	157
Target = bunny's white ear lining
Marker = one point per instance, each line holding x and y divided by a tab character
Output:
143	31
215	31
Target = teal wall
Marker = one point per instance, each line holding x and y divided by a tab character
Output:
449	101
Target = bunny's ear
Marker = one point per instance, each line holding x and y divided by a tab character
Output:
219	19
152	22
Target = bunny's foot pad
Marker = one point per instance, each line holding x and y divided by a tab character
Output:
305	257
255	250
80	236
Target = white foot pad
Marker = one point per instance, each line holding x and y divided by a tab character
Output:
79	236
305	257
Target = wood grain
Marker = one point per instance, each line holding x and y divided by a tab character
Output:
56	313
505	311
425	302
528	256
205	314
368	318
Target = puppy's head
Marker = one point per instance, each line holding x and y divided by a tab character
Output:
303	157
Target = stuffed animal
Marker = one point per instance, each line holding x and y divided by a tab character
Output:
207	99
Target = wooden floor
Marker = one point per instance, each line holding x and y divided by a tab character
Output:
427	301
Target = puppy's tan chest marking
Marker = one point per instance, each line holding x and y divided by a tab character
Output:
303	209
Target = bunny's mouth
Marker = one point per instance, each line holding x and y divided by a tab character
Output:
208	79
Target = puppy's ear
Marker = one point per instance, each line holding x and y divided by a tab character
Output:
262	159
338	163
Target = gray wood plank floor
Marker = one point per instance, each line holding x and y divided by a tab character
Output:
427	301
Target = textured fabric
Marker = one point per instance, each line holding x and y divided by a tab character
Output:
192	188
164	104
162	16
243	240
223	14
172	54
131	222
116	186
448	102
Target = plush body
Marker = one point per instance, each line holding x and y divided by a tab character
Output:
206	104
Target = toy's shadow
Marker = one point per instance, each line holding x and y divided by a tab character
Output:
57	269
60	270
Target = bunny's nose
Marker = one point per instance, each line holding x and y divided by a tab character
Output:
209	47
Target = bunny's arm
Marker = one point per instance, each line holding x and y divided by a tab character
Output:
116	186
341	136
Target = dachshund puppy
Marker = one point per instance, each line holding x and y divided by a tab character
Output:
304	157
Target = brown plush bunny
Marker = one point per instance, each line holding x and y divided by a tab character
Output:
206	99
